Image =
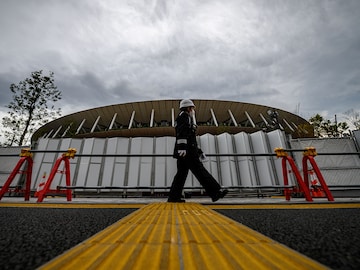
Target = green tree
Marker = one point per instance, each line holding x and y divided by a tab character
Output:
30	107
353	117
316	121
326	128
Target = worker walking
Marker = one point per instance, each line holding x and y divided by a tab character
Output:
188	154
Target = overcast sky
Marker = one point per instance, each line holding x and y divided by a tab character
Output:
294	55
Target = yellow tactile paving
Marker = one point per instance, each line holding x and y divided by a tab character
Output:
180	236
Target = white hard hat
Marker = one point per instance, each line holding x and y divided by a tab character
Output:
186	103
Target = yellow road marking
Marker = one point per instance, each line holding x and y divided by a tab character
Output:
180	236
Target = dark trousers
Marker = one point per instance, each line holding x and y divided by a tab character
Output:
191	162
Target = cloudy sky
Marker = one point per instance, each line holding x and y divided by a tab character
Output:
300	56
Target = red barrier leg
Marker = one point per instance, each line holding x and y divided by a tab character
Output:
298	177
318	174
28	179
68	180
286	179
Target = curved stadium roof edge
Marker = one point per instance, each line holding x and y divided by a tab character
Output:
156	118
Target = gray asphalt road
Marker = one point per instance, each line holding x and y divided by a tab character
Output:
329	236
29	237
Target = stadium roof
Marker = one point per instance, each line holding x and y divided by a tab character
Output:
156	117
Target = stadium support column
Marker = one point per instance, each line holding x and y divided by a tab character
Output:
112	121
214	117
250	120
172	117
232	118
131	120
80	127
95	124
152	118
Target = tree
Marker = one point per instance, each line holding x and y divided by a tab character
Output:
29	108
353	117
326	128
316	122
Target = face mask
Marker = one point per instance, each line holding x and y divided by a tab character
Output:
192	113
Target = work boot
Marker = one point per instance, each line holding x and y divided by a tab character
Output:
221	194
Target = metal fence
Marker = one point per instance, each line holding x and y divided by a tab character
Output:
242	162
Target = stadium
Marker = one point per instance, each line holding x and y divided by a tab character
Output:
126	149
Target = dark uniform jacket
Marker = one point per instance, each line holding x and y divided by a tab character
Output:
185	135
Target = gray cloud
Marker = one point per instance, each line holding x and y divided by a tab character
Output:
279	52
5	93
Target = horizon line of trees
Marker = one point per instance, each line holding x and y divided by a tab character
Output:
327	128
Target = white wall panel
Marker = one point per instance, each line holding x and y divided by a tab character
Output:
45	169
65	144
109	162
356	134
120	166
336	169
160	162
134	162
140	168
208	146
146	163
329	145
38	159
246	164
8	163
84	165
44	162
227	163
51	159
277	139
165	167
89	173
263	164
94	176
